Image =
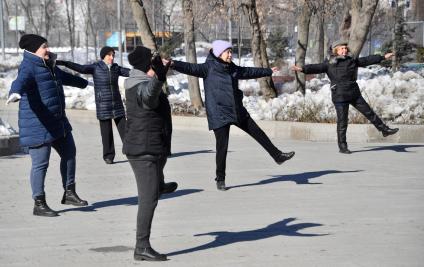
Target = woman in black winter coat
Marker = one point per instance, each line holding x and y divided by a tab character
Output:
342	70
224	102
109	104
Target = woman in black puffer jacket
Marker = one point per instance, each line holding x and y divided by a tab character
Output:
224	102
109	104
342	70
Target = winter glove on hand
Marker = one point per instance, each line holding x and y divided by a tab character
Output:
159	68
13	98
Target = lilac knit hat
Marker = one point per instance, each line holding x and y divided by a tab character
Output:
220	46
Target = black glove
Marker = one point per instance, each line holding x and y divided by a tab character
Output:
159	68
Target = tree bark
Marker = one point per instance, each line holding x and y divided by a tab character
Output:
302	44
190	50
362	12
260	57
139	13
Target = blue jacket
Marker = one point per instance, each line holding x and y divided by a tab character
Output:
42	117
108	98
223	98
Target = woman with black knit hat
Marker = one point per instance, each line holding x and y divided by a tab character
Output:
342	69
147	142
224	102
42	120
109	104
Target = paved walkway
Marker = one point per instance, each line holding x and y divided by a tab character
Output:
321	208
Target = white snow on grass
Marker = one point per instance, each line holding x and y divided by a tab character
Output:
396	98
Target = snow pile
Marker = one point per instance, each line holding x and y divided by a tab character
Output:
397	97
6	129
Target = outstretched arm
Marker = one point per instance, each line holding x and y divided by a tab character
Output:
71	80
373	59
244	73
311	68
198	70
124	71
84	69
22	81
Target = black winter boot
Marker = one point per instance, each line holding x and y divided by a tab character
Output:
283	157
168	187
386	131
343	149
148	254
220	185
41	208
70	197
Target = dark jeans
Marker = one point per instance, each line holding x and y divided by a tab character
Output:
222	135
149	176
40	157
342	110
107	135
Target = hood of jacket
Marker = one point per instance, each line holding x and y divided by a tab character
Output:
136	77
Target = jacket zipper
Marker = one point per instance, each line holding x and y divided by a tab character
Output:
58	93
111	90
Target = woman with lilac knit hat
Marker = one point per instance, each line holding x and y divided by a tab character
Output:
224	102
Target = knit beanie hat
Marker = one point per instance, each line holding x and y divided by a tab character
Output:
339	43
140	58
31	42
106	50
220	46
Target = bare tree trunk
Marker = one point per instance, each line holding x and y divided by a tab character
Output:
344	30
28	8
320	37
190	50
260	57
362	12
139	13
93	30
70	27
47	17
302	44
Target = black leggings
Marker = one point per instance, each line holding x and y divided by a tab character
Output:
342	110
222	135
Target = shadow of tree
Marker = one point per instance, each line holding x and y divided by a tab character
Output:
129	201
223	238
395	148
299	178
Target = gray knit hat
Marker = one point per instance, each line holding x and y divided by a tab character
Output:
339	43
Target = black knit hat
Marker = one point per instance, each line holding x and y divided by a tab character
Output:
106	50
31	42
140	58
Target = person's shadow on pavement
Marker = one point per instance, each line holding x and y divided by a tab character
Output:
395	148
129	201
223	238
299	178
187	153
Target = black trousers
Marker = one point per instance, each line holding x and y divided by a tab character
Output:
149	177
106	132
222	135
342	110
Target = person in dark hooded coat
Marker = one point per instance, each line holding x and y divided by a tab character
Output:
224	102
109	104
147	142
342	70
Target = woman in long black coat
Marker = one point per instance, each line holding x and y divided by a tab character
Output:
224	102
342	70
